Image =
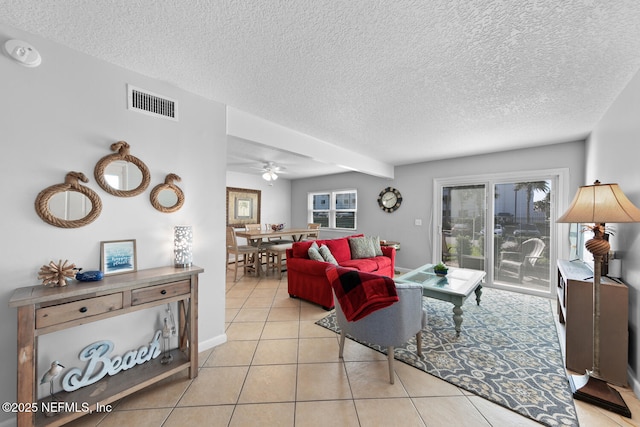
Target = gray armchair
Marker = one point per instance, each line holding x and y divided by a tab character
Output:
390	326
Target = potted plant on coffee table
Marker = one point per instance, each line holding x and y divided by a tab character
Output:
440	269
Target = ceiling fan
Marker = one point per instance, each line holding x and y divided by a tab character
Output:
271	170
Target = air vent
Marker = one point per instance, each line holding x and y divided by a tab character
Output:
150	103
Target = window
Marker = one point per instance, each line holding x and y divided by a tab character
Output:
334	209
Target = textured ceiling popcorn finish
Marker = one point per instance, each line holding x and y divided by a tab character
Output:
400	80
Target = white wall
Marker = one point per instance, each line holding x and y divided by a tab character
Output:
63	116
415	182
613	155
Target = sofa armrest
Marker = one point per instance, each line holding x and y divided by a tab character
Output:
308	266
390	252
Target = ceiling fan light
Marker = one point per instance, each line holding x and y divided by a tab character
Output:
269	176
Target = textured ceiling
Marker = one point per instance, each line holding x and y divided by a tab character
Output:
400	80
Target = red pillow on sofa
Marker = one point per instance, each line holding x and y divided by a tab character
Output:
301	249
339	249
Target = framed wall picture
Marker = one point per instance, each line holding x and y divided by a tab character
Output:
243	206
118	256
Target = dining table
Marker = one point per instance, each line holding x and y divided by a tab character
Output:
296	234
260	238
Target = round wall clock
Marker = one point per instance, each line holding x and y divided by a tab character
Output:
389	199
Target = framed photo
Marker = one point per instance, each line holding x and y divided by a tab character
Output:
243	206
118	256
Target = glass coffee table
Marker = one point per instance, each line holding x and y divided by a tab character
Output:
455	287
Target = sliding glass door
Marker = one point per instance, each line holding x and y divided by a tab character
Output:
463	225
522	234
502	224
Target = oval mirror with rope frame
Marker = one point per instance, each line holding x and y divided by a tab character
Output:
70	185
118	184
167	197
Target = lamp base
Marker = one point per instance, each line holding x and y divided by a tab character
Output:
597	392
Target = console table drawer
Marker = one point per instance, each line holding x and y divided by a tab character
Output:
158	292
62	313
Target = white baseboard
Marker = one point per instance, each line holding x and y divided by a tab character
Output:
210	343
633	382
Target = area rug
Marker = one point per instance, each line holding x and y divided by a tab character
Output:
508	352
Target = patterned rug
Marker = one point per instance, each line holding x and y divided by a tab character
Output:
508	352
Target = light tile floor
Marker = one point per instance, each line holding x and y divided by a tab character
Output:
280	369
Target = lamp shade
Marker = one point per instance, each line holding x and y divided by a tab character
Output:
600	203
183	245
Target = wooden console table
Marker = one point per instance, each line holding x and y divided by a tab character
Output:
575	312
42	310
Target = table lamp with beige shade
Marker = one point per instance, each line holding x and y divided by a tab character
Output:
599	204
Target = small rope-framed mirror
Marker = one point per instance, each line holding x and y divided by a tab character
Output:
167	197
122	174
70	185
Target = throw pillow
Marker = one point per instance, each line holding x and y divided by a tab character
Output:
339	248
327	255
313	252
361	247
375	241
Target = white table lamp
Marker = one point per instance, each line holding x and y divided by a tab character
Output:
183	245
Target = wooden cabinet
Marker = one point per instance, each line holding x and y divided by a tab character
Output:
42	310
575	311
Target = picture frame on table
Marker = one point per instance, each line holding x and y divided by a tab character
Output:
243	206
118	256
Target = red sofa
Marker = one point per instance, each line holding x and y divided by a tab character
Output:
307	278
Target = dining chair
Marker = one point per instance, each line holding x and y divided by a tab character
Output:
252	227
276	257
245	256
315	231
259	243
